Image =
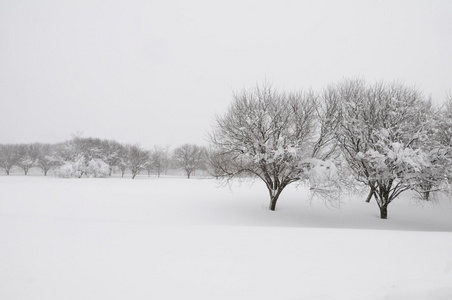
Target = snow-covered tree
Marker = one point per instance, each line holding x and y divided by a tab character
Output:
381	130
137	159
327	112
47	158
113	154
438	176
75	168
190	158
28	156
266	133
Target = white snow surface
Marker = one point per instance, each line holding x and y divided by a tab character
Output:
174	238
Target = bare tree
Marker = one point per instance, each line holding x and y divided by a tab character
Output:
9	157
265	134
217	162
158	159
189	157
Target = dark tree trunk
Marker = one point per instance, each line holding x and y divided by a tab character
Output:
274	198
371	193
384	211
273	203
426	187
427	195
7	171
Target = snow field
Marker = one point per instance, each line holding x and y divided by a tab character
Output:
173	238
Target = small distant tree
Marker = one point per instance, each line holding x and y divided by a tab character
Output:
137	159
189	157
9	157
158	158
28	156
111	153
265	134
47	158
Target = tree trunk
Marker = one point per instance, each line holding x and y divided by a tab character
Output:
274	195
427	195
384	211
7	171
273	201
369	197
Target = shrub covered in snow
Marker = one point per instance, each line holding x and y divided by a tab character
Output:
78	168
65	171
97	168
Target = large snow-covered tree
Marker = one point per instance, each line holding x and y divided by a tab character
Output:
381	132
265	133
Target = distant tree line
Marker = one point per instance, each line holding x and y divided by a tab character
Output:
94	157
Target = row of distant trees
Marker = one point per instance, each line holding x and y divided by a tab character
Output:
94	157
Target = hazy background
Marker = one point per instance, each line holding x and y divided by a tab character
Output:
155	72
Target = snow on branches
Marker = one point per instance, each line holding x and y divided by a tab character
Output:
265	133
383	130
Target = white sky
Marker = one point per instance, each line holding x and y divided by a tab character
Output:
155	72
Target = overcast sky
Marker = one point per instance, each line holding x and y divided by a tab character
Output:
156	72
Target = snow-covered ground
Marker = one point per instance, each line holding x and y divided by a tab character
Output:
173	238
